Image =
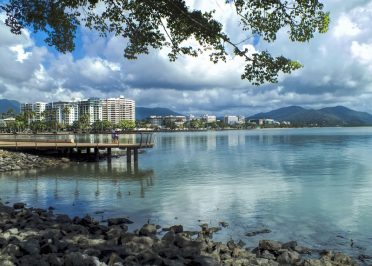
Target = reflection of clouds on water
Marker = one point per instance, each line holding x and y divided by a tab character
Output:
304	184
89	183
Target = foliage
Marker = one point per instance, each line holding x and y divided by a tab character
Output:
101	126
127	124
147	24
84	121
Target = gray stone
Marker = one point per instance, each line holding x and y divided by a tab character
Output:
19	205
118	221
148	230
262	231
289	257
269	245
62	218
30	247
176	229
12	250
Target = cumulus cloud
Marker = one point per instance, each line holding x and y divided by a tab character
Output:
337	69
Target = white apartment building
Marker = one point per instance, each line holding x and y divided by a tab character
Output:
26	107
118	109
38	108
209	118
62	112
231	120
91	107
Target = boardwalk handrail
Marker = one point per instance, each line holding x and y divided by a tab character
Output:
16	142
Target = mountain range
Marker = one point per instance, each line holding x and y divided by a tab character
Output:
144	112
5	105
329	116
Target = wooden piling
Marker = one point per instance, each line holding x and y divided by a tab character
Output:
135	154
129	155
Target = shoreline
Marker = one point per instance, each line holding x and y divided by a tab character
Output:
33	236
18	160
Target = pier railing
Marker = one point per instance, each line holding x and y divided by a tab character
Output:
143	139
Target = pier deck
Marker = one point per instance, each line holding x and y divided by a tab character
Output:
68	147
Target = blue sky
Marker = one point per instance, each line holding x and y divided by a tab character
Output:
337	69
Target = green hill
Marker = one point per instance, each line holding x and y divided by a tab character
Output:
330	116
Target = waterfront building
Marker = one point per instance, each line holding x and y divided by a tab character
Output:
26	107
118	109
65	113
209	118
37	108
231	120
156	121
91	107
259	122
179	120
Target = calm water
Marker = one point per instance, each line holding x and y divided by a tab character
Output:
310	185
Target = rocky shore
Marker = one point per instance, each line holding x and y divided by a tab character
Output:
12	161
30	236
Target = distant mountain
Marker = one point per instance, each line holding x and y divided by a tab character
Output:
330	116
144	112
5	105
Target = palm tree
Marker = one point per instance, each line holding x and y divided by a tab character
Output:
66	112
28	116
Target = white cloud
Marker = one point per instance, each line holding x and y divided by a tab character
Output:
345	27
362	52
336	69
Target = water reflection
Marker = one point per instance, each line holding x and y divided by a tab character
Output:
73	180
304	184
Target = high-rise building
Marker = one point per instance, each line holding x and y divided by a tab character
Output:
26	107
209	118
118	109
91	107
37	108
62	112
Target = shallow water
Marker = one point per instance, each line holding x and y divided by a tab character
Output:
310	185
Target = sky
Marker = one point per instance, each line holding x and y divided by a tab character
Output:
337	68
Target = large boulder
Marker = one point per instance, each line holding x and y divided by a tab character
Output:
118	221
148	230
269	245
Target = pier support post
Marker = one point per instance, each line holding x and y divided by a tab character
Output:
135	154
88	150
109	154
96	154
129	155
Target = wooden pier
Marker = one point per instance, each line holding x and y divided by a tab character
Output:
69	146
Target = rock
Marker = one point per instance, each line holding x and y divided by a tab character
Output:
63	219
19	205
118	221
262	231
148	230
169	237
269	245
30	247
267	255
48	248
65	160
223	224
13	231
12	250
176	229
290	245
289	257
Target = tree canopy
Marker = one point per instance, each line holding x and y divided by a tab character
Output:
155	24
